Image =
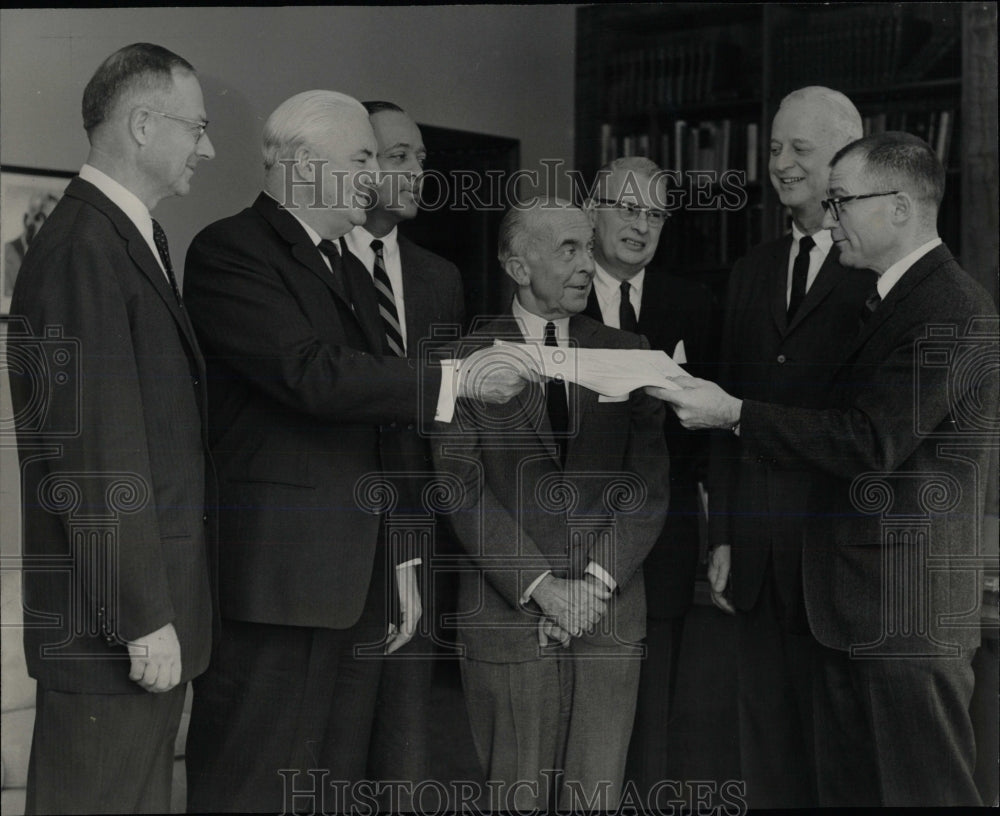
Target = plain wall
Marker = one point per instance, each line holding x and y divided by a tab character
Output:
503	70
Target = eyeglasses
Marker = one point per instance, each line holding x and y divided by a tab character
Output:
629	212
834	204
200	125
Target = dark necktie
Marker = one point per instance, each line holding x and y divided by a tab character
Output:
800	273
626	314
329	249
160	239
387	302
871	304
555	400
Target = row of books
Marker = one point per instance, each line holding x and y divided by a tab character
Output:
861	47
936	127
716	145
724	144
681	72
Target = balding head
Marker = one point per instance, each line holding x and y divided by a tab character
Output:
810	126
545	247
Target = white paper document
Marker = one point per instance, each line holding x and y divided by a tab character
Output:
609	372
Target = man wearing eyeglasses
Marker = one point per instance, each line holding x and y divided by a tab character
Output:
628	210
792	309
114	472
903	462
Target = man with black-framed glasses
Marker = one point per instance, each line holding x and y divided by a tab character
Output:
792	308
904	462
627	207
122	504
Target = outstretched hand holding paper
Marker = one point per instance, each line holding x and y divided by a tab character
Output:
609	372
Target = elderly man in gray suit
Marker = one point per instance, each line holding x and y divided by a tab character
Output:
564	495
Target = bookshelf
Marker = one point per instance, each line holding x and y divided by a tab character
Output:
694	87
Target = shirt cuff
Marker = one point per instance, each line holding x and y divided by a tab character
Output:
531	587
413	562
595	569
446	395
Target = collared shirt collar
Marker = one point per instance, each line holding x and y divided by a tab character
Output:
608	287
534	326
125	200
823	239
894	273
359	242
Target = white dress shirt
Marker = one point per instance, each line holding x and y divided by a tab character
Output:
892	275
359	242
609	294
817	257
534	332
129	203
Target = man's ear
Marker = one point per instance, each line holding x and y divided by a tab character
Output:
903	208
590	208
139	125
516	267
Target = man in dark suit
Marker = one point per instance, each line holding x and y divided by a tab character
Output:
413	291
562	496
675	316
299	385
792	311
114	469
901	460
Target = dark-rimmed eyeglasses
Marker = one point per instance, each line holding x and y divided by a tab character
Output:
834	204
629	212
199	125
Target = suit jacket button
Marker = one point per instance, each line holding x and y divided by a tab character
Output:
781	358
204	519
195	381
410	427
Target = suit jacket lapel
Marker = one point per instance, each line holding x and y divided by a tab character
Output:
303	249
582	401
364	299
904	286
826	279
779	284
142	256
418	294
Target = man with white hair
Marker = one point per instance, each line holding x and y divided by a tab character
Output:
791	311
298	385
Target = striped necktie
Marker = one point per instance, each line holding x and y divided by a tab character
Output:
387	303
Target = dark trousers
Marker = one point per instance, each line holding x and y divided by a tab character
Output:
774	657
894	732
103	753
282	719
647	751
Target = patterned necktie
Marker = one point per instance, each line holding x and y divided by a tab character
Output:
800	273
555	400
626	313
387	303
160	239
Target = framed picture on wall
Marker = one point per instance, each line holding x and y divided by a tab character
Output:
27	196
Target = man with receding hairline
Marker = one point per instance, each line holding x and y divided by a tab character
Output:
901	454
133	618
792	310
552	616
